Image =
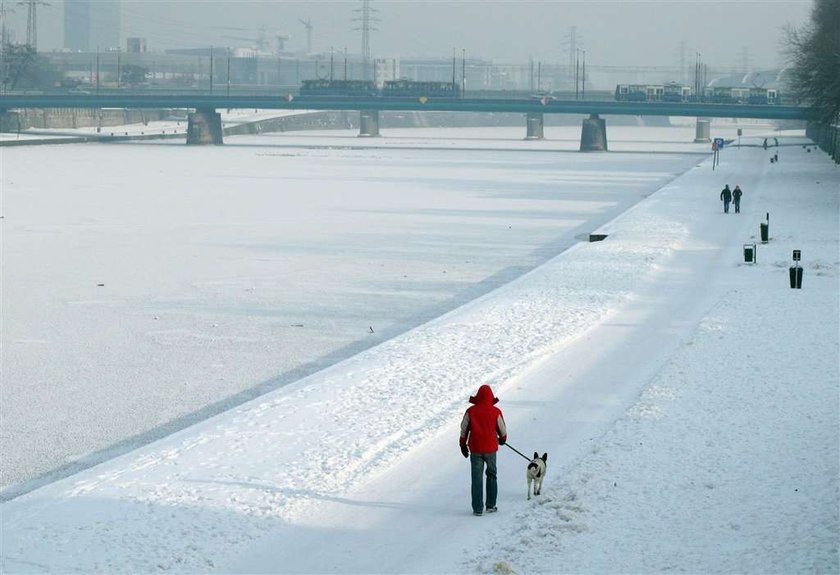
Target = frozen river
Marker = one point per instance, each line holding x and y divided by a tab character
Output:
146	286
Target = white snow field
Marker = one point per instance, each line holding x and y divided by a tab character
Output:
687	400
148	286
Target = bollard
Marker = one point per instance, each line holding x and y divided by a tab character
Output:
749	253
796	271
764	228
795	277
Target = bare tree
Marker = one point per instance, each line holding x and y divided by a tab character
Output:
18	65
814	54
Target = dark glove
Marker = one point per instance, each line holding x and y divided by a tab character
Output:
501	441
464	451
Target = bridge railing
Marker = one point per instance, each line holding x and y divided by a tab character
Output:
283	91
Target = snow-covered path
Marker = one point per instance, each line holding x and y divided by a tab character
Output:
562	405
356	469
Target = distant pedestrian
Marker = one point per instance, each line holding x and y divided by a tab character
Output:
726	197
736	198
483	430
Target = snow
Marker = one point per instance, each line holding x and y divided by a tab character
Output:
221	273
688	401
177	124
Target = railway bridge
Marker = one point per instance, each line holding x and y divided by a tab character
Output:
205	125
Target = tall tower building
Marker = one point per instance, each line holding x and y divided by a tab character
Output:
77	25
91	25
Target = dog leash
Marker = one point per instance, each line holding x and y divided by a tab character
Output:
519	452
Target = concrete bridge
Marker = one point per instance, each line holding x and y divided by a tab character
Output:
205	125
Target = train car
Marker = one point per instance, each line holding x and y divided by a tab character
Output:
764	96
670	92
325	87
676	92
721	95
631	93
409	88
741	95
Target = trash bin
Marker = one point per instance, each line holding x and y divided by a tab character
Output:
765	232
749	253
795	277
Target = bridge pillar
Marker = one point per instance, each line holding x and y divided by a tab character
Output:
534	124
368	123
702	134
593	135
204	128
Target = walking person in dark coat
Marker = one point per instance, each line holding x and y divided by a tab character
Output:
483	430
736	198
726	196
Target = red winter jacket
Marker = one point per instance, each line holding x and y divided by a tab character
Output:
483	424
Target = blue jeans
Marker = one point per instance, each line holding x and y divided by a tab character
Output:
477	462
737	207
725	207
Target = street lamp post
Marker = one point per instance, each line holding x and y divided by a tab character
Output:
583	78
454	62
698	81
463	71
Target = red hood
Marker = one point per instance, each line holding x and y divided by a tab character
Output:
484	396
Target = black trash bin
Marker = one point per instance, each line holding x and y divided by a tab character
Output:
765	232
795	277
749	253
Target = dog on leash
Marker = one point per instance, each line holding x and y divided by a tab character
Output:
536	473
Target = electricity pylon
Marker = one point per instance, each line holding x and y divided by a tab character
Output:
32	21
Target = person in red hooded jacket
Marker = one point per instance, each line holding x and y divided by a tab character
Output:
483	430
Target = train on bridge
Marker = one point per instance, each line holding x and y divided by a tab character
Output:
670	92
390	89
675	92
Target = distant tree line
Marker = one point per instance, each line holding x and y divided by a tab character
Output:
814	53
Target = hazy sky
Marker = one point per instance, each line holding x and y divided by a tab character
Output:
626	33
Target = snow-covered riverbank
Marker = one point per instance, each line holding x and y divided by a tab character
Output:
687	400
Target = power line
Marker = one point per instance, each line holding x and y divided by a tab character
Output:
169	31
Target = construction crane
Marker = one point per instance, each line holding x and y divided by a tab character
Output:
308	25
260	41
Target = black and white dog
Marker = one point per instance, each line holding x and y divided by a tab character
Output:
536	473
